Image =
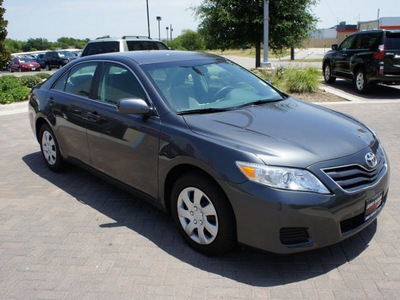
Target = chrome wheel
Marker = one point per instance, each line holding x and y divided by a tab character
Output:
197	215
327	73
49	148
360	81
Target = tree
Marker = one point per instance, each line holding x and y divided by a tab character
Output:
235	23
188	40
5	55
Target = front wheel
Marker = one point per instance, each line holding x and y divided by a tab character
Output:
360	81
328	74
203	215
50	149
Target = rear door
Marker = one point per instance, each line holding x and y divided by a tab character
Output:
69	104
392	54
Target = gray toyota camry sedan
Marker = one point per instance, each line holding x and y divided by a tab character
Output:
231	158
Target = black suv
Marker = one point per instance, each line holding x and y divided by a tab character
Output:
126	43
58	59
367	58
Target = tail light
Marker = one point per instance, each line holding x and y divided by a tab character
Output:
380	54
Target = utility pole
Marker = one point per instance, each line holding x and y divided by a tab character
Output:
170	27
167	28
148	19
265	63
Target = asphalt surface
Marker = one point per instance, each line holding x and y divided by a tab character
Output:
71	235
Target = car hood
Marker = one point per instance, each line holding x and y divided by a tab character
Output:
289	132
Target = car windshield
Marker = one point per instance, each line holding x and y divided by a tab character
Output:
66	54
26	60
195	87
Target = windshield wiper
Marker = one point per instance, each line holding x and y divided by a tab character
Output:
259	102
205	110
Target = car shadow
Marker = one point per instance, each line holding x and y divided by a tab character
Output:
376	92
245	265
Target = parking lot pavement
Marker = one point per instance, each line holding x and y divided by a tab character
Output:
382	93
70	235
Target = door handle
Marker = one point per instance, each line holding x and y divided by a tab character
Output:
93	116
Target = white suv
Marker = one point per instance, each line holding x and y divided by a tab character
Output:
126	43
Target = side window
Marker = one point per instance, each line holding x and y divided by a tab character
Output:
80	79
110	47
347	43
117	82
135	45
60	85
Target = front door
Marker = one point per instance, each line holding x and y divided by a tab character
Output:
123	146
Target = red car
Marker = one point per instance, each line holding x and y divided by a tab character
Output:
23	64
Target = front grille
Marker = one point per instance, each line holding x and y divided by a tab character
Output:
355	177
294	235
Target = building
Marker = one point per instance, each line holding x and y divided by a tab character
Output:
382	23
335	35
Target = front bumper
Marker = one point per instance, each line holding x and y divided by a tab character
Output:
285	222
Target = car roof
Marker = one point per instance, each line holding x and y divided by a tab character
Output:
144	57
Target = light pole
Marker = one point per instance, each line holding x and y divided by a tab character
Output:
265	63
167	28
159	20
148	19
170	26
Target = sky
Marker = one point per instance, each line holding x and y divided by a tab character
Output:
52	19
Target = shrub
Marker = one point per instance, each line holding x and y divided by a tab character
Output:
294	80
30	81
12	90
43	75
302	80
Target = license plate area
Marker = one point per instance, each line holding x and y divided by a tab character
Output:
372	205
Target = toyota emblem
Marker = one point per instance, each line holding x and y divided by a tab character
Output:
371	160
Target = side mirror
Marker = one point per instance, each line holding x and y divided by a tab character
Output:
132	106
335	47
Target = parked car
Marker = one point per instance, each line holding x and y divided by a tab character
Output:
230	157
58	59
366	58
40	60
126	43
21	64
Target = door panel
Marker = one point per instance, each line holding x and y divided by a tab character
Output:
69	104
123	146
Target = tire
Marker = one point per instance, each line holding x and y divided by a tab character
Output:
328	73
360	81
203	215
50	150
48	68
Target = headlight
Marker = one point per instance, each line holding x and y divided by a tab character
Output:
282	178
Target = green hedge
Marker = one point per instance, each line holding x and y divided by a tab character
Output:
12	90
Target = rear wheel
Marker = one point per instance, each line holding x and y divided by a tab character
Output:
203	214
360	81
50	149
328	74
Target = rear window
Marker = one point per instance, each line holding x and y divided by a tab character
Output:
392	41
